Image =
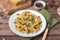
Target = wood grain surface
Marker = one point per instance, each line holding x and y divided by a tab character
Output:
9	8
54	33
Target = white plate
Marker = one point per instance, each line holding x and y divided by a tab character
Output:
12	26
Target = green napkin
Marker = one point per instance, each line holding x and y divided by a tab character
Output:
47	15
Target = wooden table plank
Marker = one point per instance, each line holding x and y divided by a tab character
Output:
36	38
48	38
11	38
0	38
53	38
4	21
54	32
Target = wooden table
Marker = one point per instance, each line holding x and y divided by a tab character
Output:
54	33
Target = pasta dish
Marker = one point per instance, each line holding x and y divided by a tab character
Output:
27	22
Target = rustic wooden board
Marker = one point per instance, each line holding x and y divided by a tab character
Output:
9	8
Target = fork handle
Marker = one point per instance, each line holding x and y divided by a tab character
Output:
45	34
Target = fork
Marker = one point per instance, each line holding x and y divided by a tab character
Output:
47	29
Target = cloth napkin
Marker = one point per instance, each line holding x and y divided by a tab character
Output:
47	15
